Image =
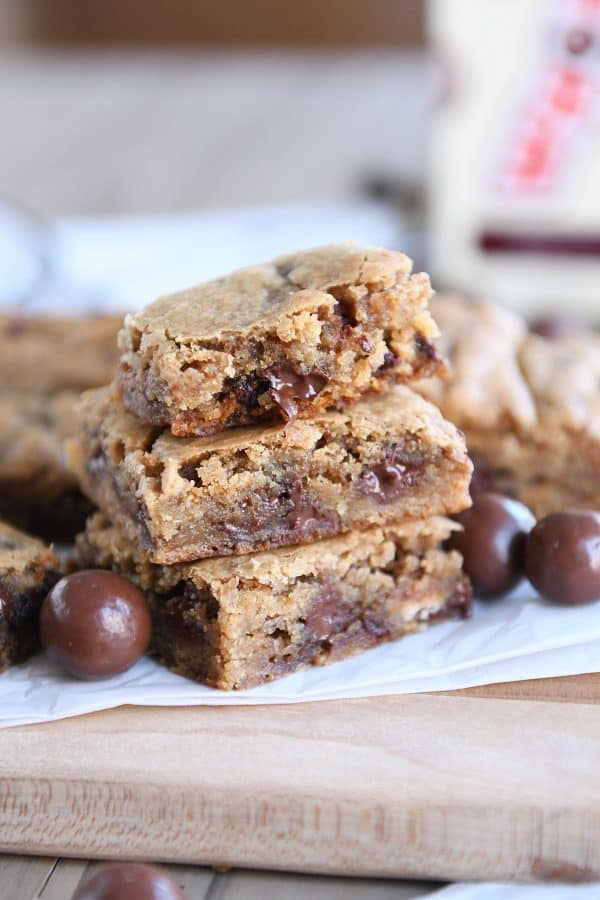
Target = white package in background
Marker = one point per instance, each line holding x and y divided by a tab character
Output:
514	187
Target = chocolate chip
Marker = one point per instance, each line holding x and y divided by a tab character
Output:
375	625
95	624
492	542
188	610
190	473
248	389
388	360
562	557
128	881
328	614
426	348
302	511
459	604
288	385
388	479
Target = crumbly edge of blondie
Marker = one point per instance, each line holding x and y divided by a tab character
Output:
389	458
303	334
235	623
28	569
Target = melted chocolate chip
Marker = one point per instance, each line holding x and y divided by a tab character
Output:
328	614
391	477
302	512
287	386
458	605
375	626
388	360
190	473
426	348
188	611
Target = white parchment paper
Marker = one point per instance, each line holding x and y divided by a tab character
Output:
516	638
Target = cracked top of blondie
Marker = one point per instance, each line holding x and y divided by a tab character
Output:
311	330
274	293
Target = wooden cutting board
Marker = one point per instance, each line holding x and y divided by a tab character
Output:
492	783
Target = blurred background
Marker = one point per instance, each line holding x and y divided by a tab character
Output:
148	106
465	132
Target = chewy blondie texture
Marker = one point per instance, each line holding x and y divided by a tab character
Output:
309	331
529	406
53	354
28	569
236	622
388	457
38	492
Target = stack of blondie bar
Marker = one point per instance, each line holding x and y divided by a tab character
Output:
265	472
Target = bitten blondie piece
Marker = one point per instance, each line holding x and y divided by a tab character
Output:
310	331
38	492
28	569
389	457
53	354
529	406
239	621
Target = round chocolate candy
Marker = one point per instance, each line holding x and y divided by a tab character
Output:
562	557
95	624
492	542
128	881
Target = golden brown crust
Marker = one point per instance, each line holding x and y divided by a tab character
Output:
352	319
238	622
389	457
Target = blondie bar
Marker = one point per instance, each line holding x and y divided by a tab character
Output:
28	569
388	457
309	331
236	622
529	406
38	492
52	354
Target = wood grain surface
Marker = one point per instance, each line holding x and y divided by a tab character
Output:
494	784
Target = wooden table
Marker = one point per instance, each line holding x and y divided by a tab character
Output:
28	878
536	821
